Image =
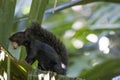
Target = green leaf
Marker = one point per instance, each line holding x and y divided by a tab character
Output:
37	10
104	71
7	8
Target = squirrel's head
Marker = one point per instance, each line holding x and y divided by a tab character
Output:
21	38
17	39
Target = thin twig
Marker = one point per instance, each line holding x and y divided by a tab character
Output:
55	3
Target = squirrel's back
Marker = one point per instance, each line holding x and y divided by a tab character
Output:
50	39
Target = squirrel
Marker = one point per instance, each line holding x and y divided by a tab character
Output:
43	46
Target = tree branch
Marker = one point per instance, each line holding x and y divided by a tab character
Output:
75	2
63	6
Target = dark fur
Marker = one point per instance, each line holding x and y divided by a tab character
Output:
43	46
50	39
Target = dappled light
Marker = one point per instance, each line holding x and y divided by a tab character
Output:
46	76
22	7
69	33
116	77
77	25
4	76
2	58
2	55
92	38
26	10
112	32
86	53
94	62
104	45
77	43
77	8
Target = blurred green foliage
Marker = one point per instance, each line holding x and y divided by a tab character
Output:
6	20
104	71
74	26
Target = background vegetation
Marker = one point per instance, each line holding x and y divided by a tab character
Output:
89	30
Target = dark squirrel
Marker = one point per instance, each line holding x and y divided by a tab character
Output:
43	46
